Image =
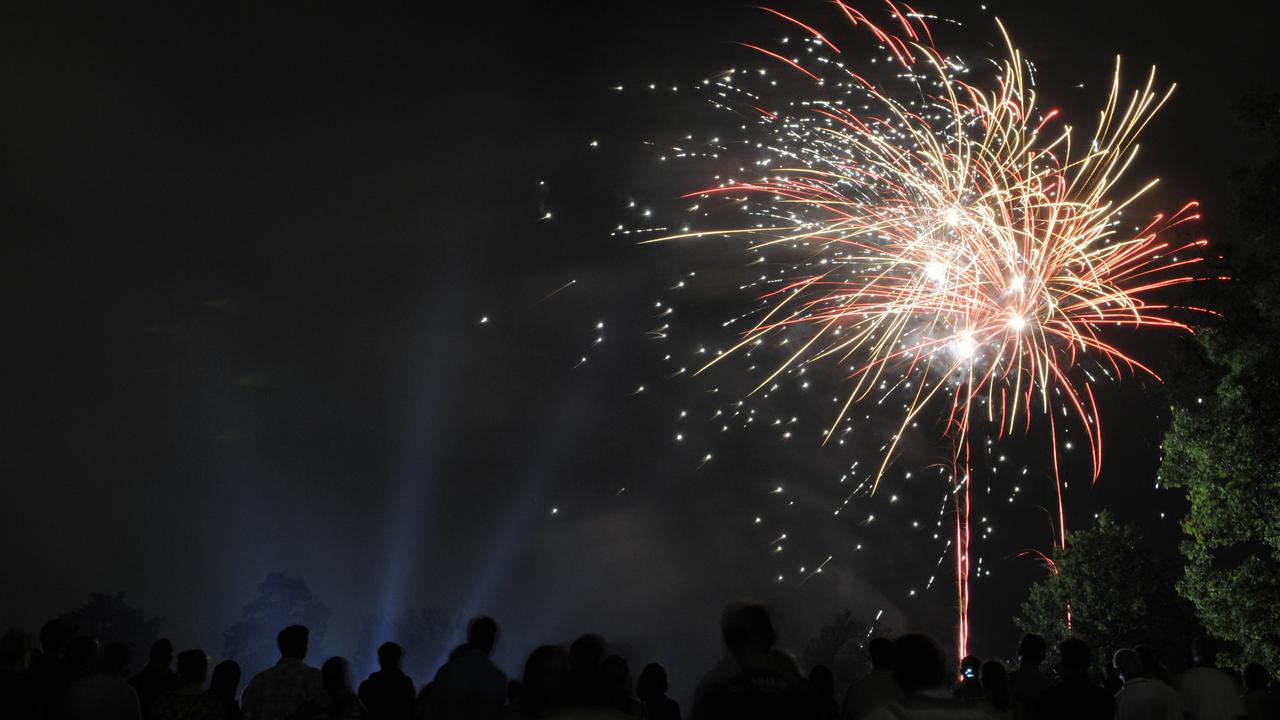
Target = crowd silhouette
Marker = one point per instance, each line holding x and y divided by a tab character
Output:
69	676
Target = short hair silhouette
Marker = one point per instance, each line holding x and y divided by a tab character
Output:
881	651
161	652
225	679
293	641
193	666
55	634
822	680
15	647
1256	677
335	674
746	628
1204	650
920	664
653	681
995	684
1032	649
1150	660
389	655
114	659
1076	655
1128	662
546	675
482	633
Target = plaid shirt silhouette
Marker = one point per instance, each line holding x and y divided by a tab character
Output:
277	692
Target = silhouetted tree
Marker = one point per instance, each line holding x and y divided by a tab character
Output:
1221	446
839	645
281	601
108	617
1118	595
426	635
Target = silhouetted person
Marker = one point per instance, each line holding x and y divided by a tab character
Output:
970	685
156	677
756	680
920	669
50	674
1076	697
104	693
823	684
224	685
339	701
388	692
878	687
619	697
1258	701
544	682
1027	683
651	688
81	656
469	686
1151	665
17	693
586	686
1208	693
996	700
189	701
279	691
1142	697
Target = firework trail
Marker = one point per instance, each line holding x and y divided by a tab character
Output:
960	245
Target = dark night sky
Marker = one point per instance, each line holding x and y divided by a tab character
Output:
246	254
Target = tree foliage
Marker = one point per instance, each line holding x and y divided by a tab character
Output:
840	645
1221	447
425	635
281	601
1118	596
108	618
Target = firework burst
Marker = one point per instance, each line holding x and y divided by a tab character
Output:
959	244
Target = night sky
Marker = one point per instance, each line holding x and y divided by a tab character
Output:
247	254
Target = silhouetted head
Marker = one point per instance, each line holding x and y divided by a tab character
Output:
616	674
389	656
1076	655
15	649
54	636
81	653
822	681
653	681
335	675
919	664
225	680
546	675
1031	650
1150	660
161	653
193	666
881	651
1128	663
995	684
1204	651
293	641
1256	677
482	633
586	653
747	629
114	659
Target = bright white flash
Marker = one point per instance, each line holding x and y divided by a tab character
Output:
936	271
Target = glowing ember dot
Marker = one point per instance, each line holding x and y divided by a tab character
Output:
484	320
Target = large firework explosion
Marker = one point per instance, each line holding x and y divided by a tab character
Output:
958	244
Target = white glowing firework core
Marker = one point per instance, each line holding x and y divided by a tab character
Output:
936	271
1017	322
964	346
951	216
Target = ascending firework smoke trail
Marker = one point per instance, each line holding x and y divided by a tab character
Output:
959	248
